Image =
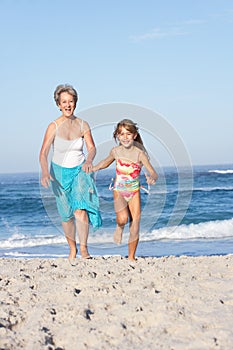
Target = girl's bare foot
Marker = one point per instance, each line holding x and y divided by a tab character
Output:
133	259
117	237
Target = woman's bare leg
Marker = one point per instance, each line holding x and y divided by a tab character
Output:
70	230
82	224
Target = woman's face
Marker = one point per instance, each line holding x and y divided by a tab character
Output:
67	104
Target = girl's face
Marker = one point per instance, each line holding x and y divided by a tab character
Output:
125	137
67	104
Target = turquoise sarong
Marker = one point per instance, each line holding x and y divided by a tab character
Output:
74	189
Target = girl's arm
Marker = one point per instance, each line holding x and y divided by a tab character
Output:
146	163
105	162
87	166
47	142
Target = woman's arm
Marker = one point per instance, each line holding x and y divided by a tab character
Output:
91	149
47	142
146	163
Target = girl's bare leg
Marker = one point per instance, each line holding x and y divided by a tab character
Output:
82	225
135	215
122	214
117	236
70	230
132	247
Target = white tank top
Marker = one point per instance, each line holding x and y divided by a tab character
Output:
68	153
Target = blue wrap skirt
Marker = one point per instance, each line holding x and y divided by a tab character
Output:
74	189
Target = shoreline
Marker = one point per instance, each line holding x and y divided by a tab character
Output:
155	249
109	302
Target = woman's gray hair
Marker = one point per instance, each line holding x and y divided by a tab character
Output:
65	88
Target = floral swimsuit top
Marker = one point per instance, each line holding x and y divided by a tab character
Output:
127	178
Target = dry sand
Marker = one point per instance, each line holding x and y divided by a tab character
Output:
110	303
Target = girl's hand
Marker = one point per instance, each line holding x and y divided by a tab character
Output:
94	168
150	180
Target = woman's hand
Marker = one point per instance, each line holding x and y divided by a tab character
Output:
87	167
45	180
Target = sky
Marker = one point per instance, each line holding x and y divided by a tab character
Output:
171	57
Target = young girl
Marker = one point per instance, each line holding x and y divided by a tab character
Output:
130	156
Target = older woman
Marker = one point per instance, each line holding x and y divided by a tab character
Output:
70	172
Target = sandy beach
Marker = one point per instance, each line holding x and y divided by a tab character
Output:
110	303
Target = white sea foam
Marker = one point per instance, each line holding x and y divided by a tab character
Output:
31	255
210	229
228	171
216	188
21	241
207	230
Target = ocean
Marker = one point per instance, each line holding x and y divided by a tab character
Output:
185	213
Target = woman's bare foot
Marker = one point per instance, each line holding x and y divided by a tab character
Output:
73	253
72	256
117	237
84	252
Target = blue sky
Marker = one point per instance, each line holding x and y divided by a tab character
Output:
172	57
